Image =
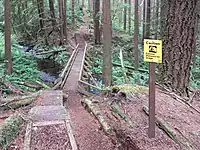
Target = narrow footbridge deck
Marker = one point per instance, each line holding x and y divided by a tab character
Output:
49	126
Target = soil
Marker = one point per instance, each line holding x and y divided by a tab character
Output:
184	120
86	129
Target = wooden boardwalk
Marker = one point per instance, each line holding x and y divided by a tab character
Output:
48	115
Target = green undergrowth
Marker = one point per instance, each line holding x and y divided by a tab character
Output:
59	54
195	74
124	43
24	68
9	129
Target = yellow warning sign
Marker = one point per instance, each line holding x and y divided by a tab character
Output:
153	50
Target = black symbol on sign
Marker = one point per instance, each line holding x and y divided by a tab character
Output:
152	49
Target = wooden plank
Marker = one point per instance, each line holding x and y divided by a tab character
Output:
27	140
82	64
46	123
70	133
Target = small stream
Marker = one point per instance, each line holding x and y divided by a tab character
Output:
49	69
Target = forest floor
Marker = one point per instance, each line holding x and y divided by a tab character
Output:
174	119
123	113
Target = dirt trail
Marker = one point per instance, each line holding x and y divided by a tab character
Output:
86	129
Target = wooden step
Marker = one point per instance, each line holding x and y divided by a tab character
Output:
48	113
50	97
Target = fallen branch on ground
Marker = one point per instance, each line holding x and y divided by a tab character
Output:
181	140
43	85
17	102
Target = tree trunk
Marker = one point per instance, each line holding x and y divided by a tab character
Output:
40	4
73	5
96	21
136	33
196	37
107	36
178	44
144	21
125	15
60	3
83	3
157	18
148	19
64	19
52	12
120	15
163	16
129	16
8	36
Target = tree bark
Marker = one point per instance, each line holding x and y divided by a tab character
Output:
73	5
144	20
64	19
60	3
83	3
136	33
40	4
157	18
178	44
8	36
107	36
125	15
129	16
96	21
52	12
148	19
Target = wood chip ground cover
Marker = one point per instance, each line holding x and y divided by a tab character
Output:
52	137
184	120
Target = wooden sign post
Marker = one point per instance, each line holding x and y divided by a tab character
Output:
152	54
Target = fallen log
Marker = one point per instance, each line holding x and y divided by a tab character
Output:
9	129
179	139
91	107
130	67
31	85
51	51
17	102
11	87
